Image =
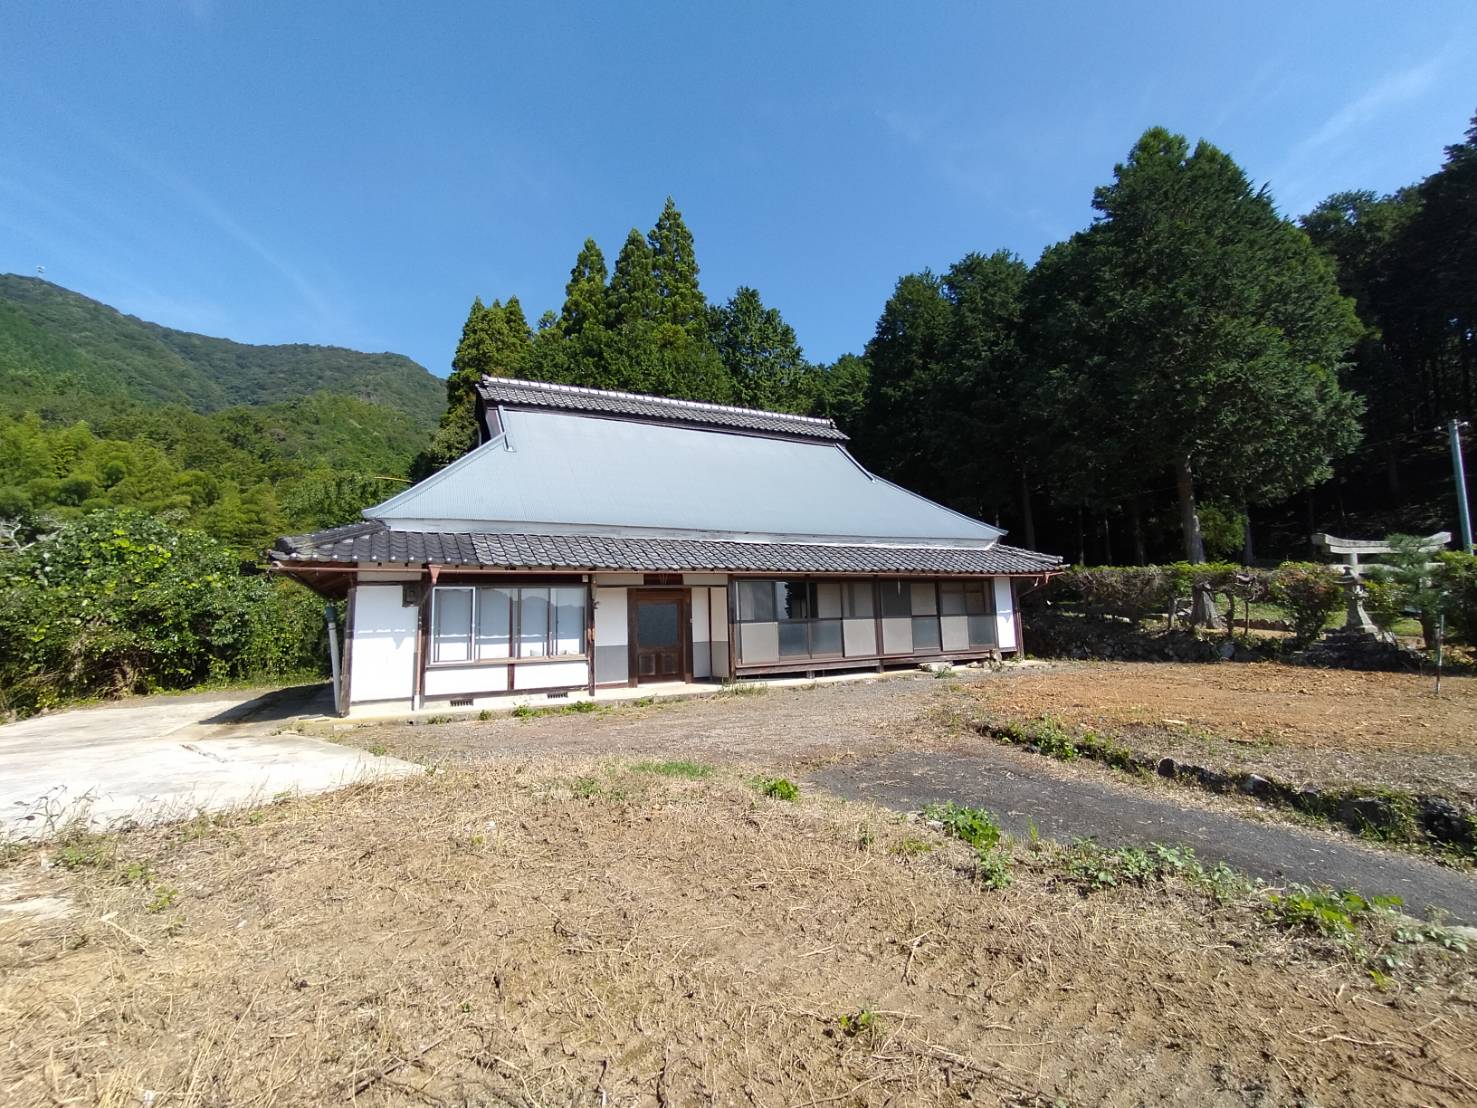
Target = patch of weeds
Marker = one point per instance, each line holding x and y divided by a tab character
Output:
865	838
1443	937
585	788
641	702
429	720
1044	735
175	927
859	1022
974	826
86	852
573	708
485	715
164	897
991	867
255	816
1325	912
134	873
674	768
1095	867
744	688
944	674
379	750
777	788
909	847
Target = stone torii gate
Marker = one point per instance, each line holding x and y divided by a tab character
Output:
1351	550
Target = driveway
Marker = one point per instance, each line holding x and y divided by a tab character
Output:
165	757
1022	790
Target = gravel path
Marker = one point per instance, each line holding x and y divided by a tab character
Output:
1021	790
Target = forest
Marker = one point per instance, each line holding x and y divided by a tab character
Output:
1193	376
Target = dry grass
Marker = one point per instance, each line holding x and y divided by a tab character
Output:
1294	722
589	933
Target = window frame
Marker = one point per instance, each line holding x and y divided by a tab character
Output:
515	656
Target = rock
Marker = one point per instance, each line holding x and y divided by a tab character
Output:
1166	767
1360	812
1255	785
1212	780
1227	650
935	667
1444	821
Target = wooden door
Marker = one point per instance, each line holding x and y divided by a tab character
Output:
660	647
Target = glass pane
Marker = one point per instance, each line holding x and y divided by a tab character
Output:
756	600
896	599
981	631
451	625
977	599
793	600
951	598
825	636
859	600
569	621
828	599
656	623
925	634
792	640
925	598
533	623
494	622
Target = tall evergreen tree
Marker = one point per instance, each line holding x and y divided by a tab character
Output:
1209	333
761	353
634	297
586	293
496	342
674	269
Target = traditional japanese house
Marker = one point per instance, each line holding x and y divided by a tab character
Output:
597	539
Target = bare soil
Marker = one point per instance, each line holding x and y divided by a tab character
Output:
1297	723
528	933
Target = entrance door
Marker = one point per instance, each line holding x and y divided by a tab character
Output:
659	650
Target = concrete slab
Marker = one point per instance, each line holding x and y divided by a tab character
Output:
162	758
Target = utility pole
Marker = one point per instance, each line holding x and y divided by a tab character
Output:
1454	429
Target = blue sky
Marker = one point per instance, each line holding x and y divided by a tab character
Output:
354	173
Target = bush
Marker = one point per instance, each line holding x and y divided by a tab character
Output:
1457	577
778	788
119	601
1308	594
1383	602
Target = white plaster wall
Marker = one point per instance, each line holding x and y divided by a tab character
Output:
382	665
718	599
465	680
611	626
702	654
1004	614
619	579
551	675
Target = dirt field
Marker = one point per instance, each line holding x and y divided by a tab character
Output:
1297	723
520	934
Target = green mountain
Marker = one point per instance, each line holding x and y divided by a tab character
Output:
61	352
101	410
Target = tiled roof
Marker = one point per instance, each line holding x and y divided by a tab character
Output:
570	398
374	543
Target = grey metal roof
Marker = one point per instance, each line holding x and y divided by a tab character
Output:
514	393
572	473
373	542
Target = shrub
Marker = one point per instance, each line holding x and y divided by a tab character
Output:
119	601
1383	602
1308	593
